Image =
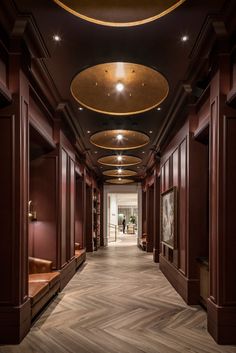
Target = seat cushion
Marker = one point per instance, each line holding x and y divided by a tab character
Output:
51	277
37	265
37	290
78	253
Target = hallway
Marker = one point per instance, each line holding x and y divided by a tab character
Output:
119	302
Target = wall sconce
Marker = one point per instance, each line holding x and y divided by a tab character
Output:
31	213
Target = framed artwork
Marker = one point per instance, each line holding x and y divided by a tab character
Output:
169	217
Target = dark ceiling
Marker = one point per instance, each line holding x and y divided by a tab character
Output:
157	44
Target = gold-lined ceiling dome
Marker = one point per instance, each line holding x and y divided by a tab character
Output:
120	173
119	161
119	88
120	181
119	13
119	139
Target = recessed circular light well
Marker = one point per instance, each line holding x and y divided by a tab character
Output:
128	139
120	181
122	173
122	13
111	96
119	161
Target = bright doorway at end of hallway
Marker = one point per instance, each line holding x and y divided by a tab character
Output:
122	216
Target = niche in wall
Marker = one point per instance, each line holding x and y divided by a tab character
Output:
43	194
79	211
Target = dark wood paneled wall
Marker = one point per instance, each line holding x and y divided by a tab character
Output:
185	167
14	130
48	179
222	301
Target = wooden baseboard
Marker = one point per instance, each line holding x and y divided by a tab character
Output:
187	288
15	323
221	323
67	272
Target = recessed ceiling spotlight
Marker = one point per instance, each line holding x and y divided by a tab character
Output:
81	109
88	132
119	137
119	158
143	152
184	38
159	108
150	132
119	179
120	87
95	152
57	38
119	170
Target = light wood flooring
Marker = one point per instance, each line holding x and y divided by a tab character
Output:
119	302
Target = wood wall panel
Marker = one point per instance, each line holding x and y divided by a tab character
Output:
39	119
3	72
182	207
144	211
79	211
176	168
71	240
89	219
7	151
157	248
64	208
167	174
150	218
213	199
163	179
229	263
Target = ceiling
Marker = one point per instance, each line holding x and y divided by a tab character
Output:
84	44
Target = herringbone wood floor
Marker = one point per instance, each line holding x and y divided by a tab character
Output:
119	302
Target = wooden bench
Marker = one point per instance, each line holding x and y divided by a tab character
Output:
44	283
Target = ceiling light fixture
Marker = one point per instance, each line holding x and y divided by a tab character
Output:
159	108
119	179
81	109
119	158
150	132
119	170
184	38
119	137
120	87
88	132
108	12
57	38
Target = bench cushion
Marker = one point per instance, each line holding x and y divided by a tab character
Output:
52	278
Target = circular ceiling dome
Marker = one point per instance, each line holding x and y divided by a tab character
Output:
119	139
119	13
119	88
120	173
119	181
119	160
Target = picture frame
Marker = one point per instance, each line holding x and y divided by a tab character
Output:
168	217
